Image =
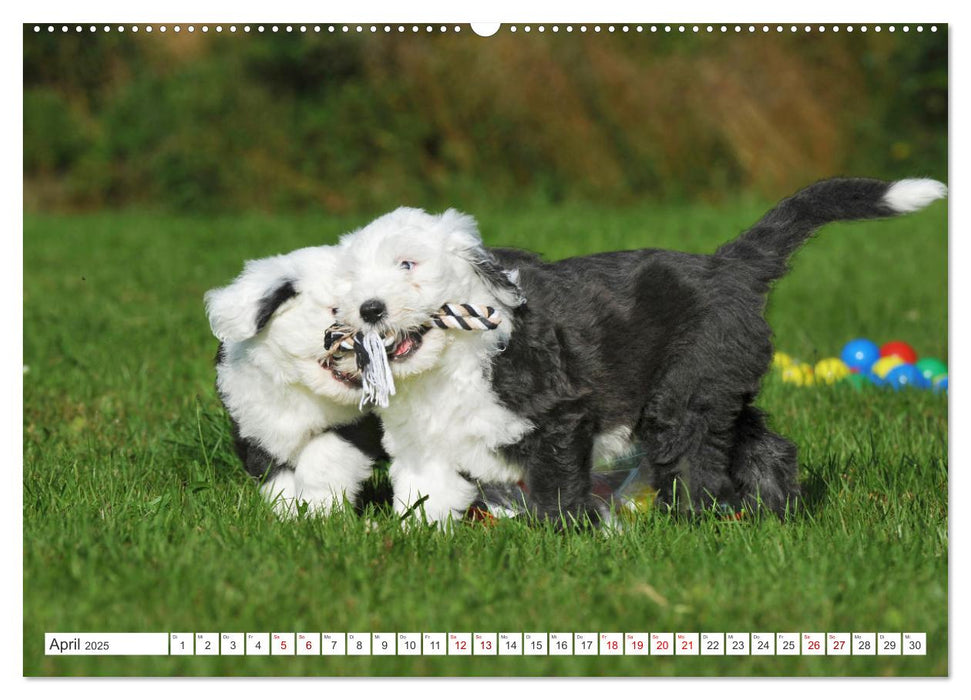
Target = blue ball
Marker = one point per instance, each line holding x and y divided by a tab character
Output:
903	376
860	354
940	383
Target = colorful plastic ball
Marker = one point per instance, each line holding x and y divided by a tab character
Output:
860	354
903	376
898	348
780	360
831	370
940	384
931	367
874	379
857	381
883	366
799	374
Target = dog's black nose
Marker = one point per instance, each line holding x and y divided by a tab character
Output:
373	310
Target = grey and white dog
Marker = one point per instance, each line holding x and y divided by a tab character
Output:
662	347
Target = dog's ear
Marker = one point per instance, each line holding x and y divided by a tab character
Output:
502	283
465	242
241	310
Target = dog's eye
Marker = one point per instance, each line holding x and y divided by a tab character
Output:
407	264
335	311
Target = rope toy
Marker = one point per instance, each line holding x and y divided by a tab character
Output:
467	317
370	349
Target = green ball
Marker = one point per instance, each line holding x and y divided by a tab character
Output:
931	367
856	380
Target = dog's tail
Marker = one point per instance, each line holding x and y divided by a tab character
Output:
767	246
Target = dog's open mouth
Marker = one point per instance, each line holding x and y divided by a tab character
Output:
351	379
408	345
398	346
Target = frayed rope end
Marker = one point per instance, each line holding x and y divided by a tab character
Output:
377	383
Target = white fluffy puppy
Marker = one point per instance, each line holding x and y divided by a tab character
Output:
444	424
297	426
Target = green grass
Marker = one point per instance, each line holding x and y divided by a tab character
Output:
138	518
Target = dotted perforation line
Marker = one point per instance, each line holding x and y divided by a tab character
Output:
256	28
442	29
717	28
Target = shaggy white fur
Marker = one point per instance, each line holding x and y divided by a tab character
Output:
911	194
444	423
273	385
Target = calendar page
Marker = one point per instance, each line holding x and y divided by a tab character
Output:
613	349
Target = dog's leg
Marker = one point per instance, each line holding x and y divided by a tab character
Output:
280	491
698	481
764	466
690	451
328	470
558	466
435	490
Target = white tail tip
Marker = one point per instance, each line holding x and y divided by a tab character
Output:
912	194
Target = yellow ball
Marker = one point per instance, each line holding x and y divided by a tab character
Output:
780	361
831	370
807	371
800	375
882	367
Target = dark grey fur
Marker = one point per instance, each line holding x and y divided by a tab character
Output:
672	345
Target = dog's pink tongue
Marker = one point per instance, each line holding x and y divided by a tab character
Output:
403	347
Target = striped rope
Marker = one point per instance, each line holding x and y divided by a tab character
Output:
467	317
340	338
370	349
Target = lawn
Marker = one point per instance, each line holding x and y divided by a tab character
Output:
137	516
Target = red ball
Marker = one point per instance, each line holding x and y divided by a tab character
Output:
898	348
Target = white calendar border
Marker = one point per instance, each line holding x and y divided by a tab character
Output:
12	644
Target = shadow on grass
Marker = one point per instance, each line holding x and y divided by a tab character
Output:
815	490
202	451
